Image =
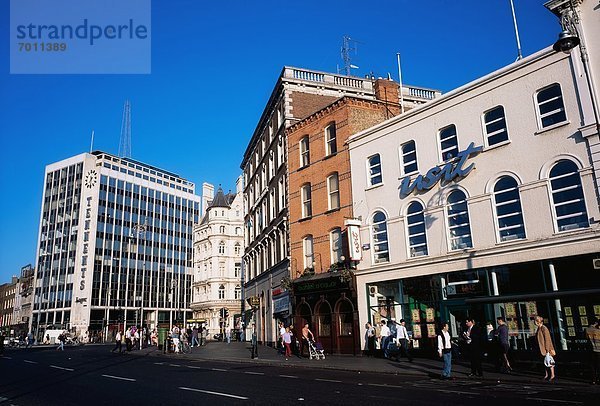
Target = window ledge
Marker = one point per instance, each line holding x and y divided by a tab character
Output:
332	210
330	156
552	127
374	186
498	145
304	219
302	167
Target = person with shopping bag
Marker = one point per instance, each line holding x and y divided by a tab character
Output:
546	348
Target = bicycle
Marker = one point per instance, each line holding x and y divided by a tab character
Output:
185	347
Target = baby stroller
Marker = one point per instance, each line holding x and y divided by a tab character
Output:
315	350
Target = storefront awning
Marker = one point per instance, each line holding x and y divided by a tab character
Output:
533	296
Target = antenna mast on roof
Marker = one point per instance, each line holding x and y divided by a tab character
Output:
125	141
348	45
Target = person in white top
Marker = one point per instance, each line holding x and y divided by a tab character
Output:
445	351
384	336
281	341
402	340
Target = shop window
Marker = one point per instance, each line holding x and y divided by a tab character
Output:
323	313
550	107
346	318
448	143
330	140
304	152
409	157
380	238
374	168
335	239
307	246
509	215
306	201
333	191
495	126
415	223
458	221
567	196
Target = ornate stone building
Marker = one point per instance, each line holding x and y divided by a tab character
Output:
218	248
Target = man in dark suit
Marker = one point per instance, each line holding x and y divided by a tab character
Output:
473	337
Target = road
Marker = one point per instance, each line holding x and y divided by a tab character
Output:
92	375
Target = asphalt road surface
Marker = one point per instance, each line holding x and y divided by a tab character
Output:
92	375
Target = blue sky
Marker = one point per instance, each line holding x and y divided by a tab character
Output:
214	65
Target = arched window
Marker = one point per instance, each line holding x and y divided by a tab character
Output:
567	196
494	122
509	213
222	247
304	152
222	229
307	247
448	142
237	248
458	221
551	109
374	170
221	291
380	238
238	293
409	157
417	236
238	230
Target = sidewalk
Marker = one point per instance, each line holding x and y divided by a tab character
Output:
240	353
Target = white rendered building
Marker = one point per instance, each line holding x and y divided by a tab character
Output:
218	249
483	203
114	247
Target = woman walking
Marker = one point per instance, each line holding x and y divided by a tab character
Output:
287	342
546	347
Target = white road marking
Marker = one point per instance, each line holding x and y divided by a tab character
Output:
63	368
214	393
328	380
219	369
119	377
556	400
193	367
4	356
385	385
159	363
174	365
288	376
3	399
455	391
254	373
29	362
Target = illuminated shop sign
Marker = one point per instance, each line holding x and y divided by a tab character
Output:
446	173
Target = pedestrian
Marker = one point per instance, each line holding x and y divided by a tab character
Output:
228	334
369	339
287	342
195	337
61	339
473	337
280	342
592	333
30	339
546	348
136	339
203	336
128	339
445	351
307	336
254	343
1	342
402	340
175	337
384	336
118	343
503	345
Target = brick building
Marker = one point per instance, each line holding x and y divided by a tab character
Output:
320	204
297	94
7	302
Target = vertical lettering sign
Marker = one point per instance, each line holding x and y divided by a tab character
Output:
354	246
86	241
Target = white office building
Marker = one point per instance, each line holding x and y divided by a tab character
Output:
115	246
